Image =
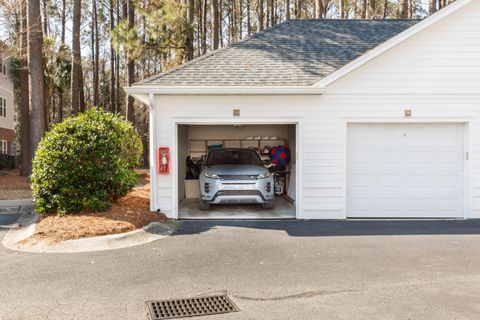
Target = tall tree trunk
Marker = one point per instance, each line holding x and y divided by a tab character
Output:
36	77
45	17
220	22
272	13
92	48
129	111
385	9
403	9
26	159
275	12
189	38
318	9
76	75
62	39
63	20
199	27
287	10
215	24
240	19
61	99
432	6
82	90
260	15
342	9
112	60
298	13
117	66
96	45
267	18
249	30
364	8
204	26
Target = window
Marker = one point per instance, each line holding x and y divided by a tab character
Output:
3	107
3	146
234	156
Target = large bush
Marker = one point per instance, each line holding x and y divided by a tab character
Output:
85	162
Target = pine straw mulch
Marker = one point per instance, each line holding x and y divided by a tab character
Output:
126	214
13	186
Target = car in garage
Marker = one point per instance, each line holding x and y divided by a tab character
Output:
233	176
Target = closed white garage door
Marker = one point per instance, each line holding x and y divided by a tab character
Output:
405	170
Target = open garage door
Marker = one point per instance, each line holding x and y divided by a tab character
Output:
405	170
247	184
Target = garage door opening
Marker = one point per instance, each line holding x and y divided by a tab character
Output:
250	174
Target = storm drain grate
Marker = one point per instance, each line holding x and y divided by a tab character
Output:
181	308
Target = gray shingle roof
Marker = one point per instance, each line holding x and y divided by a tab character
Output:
293	53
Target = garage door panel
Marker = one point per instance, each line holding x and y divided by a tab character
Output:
405	170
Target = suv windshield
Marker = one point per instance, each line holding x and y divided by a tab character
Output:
219	157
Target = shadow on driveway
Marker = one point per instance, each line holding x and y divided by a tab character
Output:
327	228
7	221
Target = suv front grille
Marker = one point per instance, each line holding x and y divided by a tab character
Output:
238	193
239	177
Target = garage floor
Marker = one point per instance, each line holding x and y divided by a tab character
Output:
188	209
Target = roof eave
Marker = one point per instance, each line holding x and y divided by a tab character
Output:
393	42
224	90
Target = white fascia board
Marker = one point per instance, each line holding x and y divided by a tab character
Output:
439	15
207	90
142	97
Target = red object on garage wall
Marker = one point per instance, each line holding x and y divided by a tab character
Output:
163	160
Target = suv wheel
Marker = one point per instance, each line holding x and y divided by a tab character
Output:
203	205
268	205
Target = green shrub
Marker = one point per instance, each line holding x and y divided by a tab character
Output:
85	162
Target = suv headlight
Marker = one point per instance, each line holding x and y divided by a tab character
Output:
210	175
264	175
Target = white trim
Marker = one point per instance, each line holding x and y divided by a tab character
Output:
152	145
355	64
468	147
246	121
226	90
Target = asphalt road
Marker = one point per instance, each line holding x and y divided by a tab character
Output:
271	270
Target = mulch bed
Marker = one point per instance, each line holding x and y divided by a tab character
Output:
126	214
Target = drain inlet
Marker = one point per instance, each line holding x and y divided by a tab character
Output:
192	307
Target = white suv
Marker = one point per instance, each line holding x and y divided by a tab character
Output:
235	176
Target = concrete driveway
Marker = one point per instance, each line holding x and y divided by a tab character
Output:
271	269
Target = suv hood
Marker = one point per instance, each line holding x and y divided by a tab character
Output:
236	169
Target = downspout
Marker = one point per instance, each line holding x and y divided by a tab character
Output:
152	144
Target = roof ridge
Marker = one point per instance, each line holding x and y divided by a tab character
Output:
354	20
211	53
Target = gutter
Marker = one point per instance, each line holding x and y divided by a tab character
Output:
226	90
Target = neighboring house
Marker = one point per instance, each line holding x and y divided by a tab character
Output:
7	126
383	116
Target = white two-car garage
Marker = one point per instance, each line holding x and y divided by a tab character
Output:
406	170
